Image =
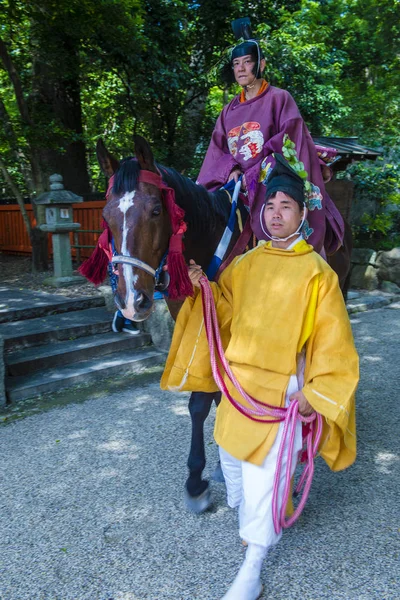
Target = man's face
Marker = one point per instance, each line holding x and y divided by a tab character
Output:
282	215
243	69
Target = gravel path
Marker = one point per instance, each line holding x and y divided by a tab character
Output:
91	501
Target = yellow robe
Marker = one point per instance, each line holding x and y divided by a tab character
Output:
271	305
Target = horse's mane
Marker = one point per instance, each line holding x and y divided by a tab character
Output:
203	210
126	176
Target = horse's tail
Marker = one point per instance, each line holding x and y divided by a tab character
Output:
95	267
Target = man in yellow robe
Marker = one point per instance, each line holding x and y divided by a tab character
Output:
287	336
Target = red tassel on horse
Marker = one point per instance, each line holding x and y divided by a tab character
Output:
180	285
95	267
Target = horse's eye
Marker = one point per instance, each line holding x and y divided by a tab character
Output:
156	211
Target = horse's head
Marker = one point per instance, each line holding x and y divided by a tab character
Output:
139	224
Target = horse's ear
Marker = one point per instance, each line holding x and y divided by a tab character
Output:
107	162
144	154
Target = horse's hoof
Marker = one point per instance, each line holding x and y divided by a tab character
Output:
198	504
217	474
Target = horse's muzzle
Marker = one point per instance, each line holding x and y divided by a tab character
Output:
142	302
139	310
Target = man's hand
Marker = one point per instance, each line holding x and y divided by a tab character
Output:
235	174
195	272
305	407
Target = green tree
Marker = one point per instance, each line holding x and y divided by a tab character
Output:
40	102
74	71
369	33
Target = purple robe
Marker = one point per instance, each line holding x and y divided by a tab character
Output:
246	134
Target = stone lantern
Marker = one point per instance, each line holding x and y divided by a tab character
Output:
59	222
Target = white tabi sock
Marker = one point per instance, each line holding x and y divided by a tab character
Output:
247	583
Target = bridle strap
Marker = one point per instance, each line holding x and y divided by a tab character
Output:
134	262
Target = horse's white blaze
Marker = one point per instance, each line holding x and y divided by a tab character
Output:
125	203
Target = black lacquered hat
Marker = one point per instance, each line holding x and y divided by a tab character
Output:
242	30
285	179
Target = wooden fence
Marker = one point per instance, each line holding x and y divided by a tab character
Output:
15	240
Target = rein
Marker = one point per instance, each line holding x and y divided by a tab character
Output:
290	416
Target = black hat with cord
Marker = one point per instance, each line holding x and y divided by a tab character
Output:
250	46
283	178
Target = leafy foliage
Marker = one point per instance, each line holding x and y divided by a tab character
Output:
377	192
120	67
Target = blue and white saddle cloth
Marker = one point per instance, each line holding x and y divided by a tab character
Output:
232	188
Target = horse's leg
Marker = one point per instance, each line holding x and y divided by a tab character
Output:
198	497
345	287
199	408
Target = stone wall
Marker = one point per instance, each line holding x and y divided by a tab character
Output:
373	270
160	326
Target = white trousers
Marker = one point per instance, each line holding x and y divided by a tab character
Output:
250	486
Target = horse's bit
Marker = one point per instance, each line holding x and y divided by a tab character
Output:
161	277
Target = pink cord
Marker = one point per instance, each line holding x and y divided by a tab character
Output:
258	411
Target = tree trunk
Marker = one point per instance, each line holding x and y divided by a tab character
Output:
52	119
184	131
40	255
37	237
58	98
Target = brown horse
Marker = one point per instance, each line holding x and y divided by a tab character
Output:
141	228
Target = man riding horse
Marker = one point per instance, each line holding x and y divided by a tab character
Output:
247	133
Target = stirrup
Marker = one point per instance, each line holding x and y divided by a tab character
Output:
198	504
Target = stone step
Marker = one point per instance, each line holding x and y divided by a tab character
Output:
362	302
17	305
53	328
50	356
115	365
